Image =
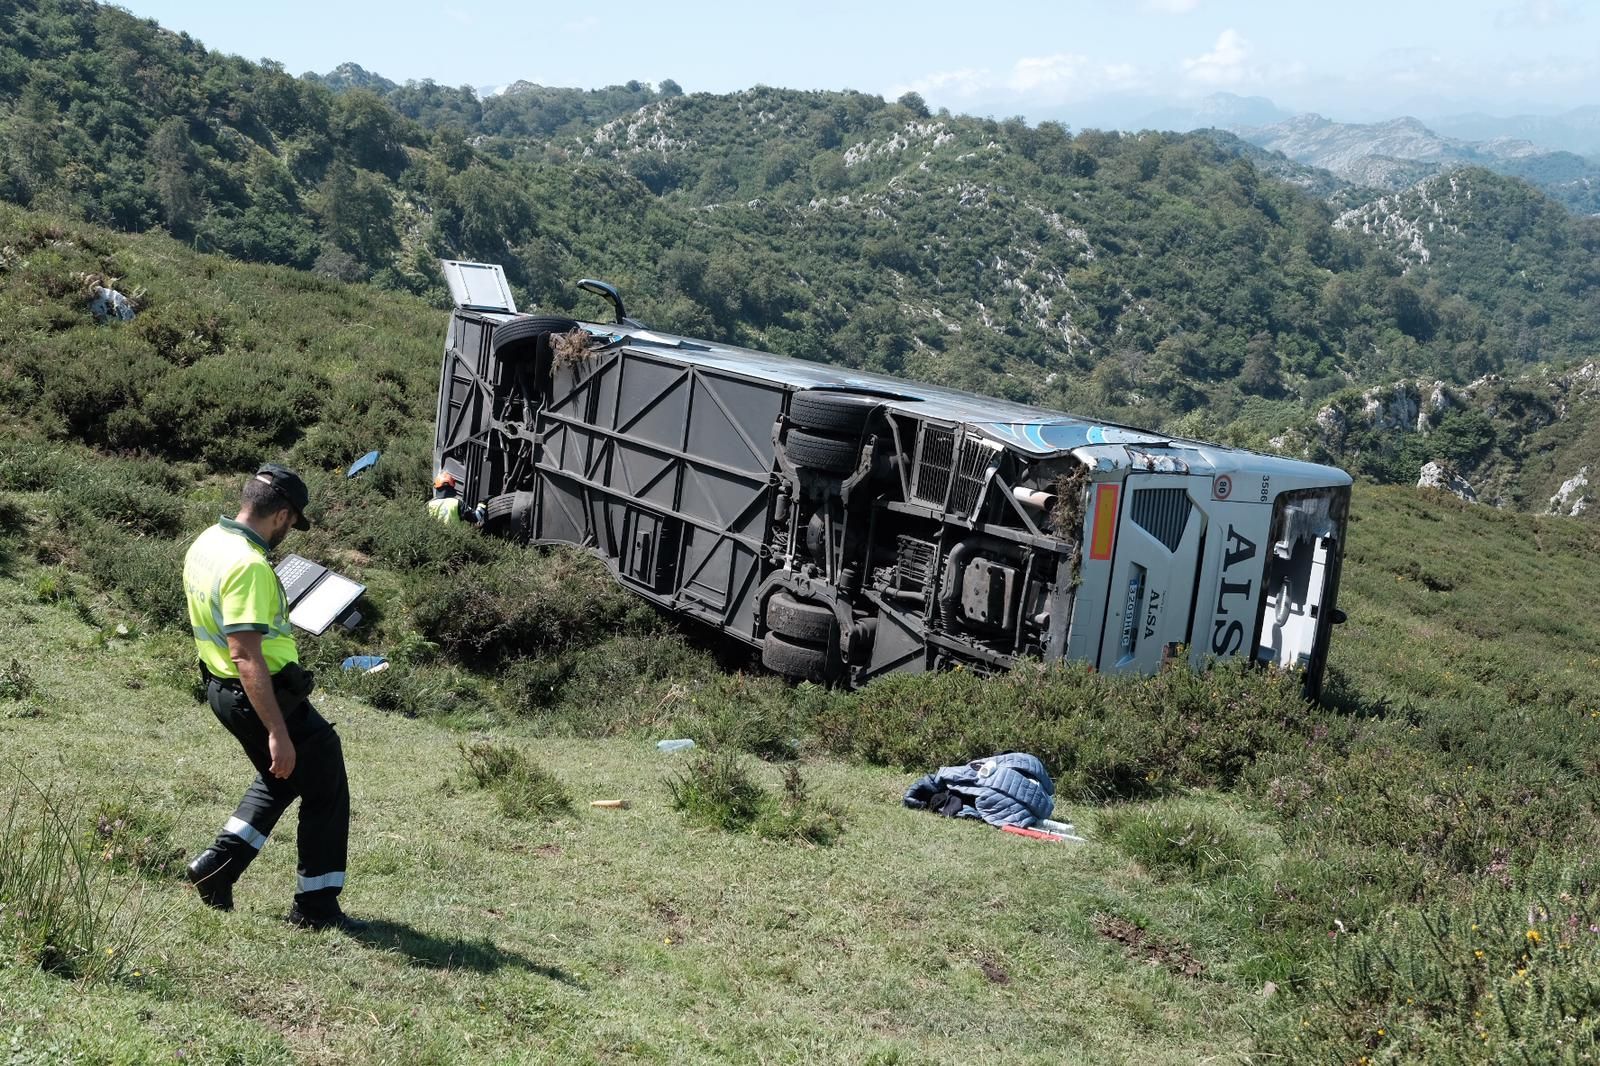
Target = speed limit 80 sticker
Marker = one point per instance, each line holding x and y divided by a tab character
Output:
1221	487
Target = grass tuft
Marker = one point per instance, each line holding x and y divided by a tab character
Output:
58	911
16	681
716	790
522	789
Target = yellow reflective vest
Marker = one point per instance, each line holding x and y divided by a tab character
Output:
231	588
447	510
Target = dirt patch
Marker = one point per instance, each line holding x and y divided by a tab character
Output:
547	851
1139	944
992	970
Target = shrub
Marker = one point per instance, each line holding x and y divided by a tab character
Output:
716	791
522	789
796	816
1101	737
16	681
416	691
532	602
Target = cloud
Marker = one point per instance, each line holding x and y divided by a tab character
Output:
1225	64
1050	79
1536	13
961	84
1170	7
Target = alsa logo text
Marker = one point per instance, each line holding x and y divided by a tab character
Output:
1227	631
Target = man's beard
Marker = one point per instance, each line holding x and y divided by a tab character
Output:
277	538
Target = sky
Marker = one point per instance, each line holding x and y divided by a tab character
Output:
1078	61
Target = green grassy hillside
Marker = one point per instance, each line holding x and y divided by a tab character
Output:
1405	874
1151	277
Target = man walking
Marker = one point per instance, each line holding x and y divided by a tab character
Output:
258	691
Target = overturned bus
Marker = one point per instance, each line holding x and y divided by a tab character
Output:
849	525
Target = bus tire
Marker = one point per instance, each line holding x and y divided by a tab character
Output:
816	452
802	662
832	412
799	620
510	335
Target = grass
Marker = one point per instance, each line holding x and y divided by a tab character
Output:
607	936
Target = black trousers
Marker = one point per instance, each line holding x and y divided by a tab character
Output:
318	781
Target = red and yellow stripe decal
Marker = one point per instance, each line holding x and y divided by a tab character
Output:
1104	525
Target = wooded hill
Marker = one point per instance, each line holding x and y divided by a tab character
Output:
1151	278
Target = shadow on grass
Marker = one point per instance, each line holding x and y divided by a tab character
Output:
454	953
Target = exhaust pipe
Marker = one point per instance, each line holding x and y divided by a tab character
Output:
1038	499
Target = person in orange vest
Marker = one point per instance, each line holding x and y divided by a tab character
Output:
446	506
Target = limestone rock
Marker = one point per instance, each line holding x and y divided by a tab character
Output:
1573	497
1437	475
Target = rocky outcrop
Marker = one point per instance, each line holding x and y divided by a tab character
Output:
1573	497
1437	475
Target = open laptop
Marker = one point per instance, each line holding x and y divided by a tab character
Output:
317	596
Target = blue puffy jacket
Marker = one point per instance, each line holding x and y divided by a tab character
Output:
1011	789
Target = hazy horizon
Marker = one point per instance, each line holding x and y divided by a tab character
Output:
1096	59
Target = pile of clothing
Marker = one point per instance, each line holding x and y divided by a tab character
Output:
1004	790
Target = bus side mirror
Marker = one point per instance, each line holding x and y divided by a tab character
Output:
609	291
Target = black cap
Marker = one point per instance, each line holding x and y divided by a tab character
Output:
290	487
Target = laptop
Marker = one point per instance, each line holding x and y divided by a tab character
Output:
317	596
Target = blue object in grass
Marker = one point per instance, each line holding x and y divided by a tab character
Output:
361	464
367	664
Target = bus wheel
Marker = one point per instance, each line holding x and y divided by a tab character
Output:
799	620
832	412
803	662
830	455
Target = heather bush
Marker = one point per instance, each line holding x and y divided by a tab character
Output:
531	602
1102	737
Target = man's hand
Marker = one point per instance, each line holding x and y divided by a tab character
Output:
245	650
281	748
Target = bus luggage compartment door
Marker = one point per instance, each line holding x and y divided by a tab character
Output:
1149	603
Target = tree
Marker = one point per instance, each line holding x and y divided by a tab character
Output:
1259	374
172	163
366	127
914	103
33	150
669	88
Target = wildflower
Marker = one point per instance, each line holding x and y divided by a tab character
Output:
1380	1032
1478	954
1474	927
1533	936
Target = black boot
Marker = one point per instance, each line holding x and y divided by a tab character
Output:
212	875
320	916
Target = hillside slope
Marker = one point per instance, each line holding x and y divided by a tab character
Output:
1153	278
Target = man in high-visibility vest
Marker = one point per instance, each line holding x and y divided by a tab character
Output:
258	691
446	506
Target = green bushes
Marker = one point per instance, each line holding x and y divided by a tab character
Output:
1102	737
1179	845
530	603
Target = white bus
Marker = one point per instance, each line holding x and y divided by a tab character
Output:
850	524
